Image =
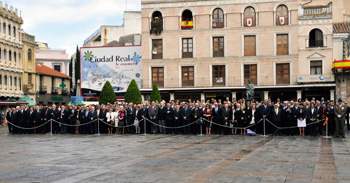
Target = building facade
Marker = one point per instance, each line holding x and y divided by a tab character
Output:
212	49
53	87
28	52
108	33
53	58
11	66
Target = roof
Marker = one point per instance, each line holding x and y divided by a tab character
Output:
42	69
51	56
342	27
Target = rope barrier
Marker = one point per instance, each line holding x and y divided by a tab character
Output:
232	127
24	128
74	125
282	128
120	126
172	127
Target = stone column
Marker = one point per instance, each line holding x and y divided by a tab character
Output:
234	95
266	95
202	97
331	95
298	94
143	98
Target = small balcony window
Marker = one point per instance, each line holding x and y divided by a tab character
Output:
187	20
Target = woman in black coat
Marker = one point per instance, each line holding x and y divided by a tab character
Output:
242	119
301	116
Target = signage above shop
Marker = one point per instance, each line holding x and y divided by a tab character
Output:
316	78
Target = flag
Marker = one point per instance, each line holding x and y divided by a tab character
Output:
249	21
4	122
249	132
325	122
282	20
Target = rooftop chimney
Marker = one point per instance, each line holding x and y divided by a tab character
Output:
11	8
6	6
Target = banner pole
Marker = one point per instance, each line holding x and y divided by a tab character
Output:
327	137
5	127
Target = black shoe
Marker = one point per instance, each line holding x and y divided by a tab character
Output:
342	136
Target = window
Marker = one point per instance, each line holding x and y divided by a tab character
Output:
316	38
29	79
4	27
10	80
218	46
156	23
15	81
158	76
15	56
218	75
250	73
187	48
282	44
20	83
187	76
29	55
316	67
5	54
10	55
157	49
5	80
187	20
249	45
0	78
0	52
9	31
14	31
57	68
249	17
282	15
282	74
218	18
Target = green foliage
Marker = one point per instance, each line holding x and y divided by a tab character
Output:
133	93
156	26
155	95
107	94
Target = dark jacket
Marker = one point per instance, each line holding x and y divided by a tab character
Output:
312	115
177	114
199	113
227	114
161	113
169	114
186	113
217	116
302	114
264	110
278	116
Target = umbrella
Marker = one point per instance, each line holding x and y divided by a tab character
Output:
251	133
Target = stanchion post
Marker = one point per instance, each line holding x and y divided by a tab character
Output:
5	127
98	126
50	126
264	128
144	126
200	128
327	137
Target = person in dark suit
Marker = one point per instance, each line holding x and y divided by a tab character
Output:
329	111
15	120
347	115
276	119
37	120
8	118
217	118
55	115
177	119
265	113
30	120
196	115
161	118
64	115
288	119
93	116
186	119
169	119
46	116
22	120
73	116
153	114
227	117
87	129
81	115
312	115
102	116
241	118
130	117
319	110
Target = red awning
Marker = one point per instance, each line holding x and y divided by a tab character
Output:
13	102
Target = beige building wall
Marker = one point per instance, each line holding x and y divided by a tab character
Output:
233	34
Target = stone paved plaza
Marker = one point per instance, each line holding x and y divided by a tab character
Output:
167	158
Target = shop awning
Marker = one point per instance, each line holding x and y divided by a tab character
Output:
13	103
341	64
29	100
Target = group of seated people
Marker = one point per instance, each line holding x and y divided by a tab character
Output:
302	117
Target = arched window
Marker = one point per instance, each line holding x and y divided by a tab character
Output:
249	17
186	20
282	15
316	38
218	18
29	55
156	23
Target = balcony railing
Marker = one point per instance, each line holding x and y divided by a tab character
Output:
54	91
315	43
43	90
318	10
156	26
27	88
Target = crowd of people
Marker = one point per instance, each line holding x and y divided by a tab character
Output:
301	117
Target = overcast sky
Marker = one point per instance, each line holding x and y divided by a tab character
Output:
64	24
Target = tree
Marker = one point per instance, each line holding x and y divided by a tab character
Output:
155	95
77	68
71	74
107	94
133	93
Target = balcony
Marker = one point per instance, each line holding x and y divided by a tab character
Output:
27	88
187	24
54	91
43	90
156	26
315	43
316	12
64	92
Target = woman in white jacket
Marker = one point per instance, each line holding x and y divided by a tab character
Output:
110	120
116	119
